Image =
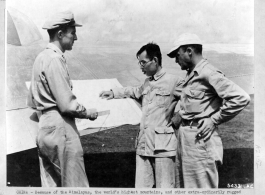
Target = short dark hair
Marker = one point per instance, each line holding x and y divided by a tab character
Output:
197	48
152	50
52	32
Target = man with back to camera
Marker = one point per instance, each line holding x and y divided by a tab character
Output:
156	141
208	99
59	147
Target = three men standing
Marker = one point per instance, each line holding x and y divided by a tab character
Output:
58	142
208	99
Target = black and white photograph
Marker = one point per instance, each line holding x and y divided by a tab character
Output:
131	94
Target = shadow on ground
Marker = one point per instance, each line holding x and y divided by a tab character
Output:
118	169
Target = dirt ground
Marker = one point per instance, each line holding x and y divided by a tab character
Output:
110	156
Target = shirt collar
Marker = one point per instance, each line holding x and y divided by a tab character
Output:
199	66
159	74
55	49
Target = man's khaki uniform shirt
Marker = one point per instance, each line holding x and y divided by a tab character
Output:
158	98
51	85
208	93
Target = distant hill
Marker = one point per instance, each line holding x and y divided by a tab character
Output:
116	61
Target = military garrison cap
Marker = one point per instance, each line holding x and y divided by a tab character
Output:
60	18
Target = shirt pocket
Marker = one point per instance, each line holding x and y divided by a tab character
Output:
165	139
161	97
193	100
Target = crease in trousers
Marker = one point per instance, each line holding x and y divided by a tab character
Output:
60	151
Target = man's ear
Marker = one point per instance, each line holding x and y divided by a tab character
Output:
60	34
155	59
189	50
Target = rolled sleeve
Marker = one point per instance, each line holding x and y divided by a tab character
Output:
235	98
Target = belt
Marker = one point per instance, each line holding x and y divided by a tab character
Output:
192	122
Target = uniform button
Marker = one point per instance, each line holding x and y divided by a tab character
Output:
150	102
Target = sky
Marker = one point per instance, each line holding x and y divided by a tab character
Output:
214	21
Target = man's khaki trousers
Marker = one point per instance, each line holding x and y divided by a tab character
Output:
60	151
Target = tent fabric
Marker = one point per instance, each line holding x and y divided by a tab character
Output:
18	70
22	130
12	35
22	133
20	29
122	111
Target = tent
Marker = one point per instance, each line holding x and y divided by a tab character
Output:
24	42
20	29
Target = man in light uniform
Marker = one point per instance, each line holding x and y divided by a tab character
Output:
156	141
208	99
58	142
